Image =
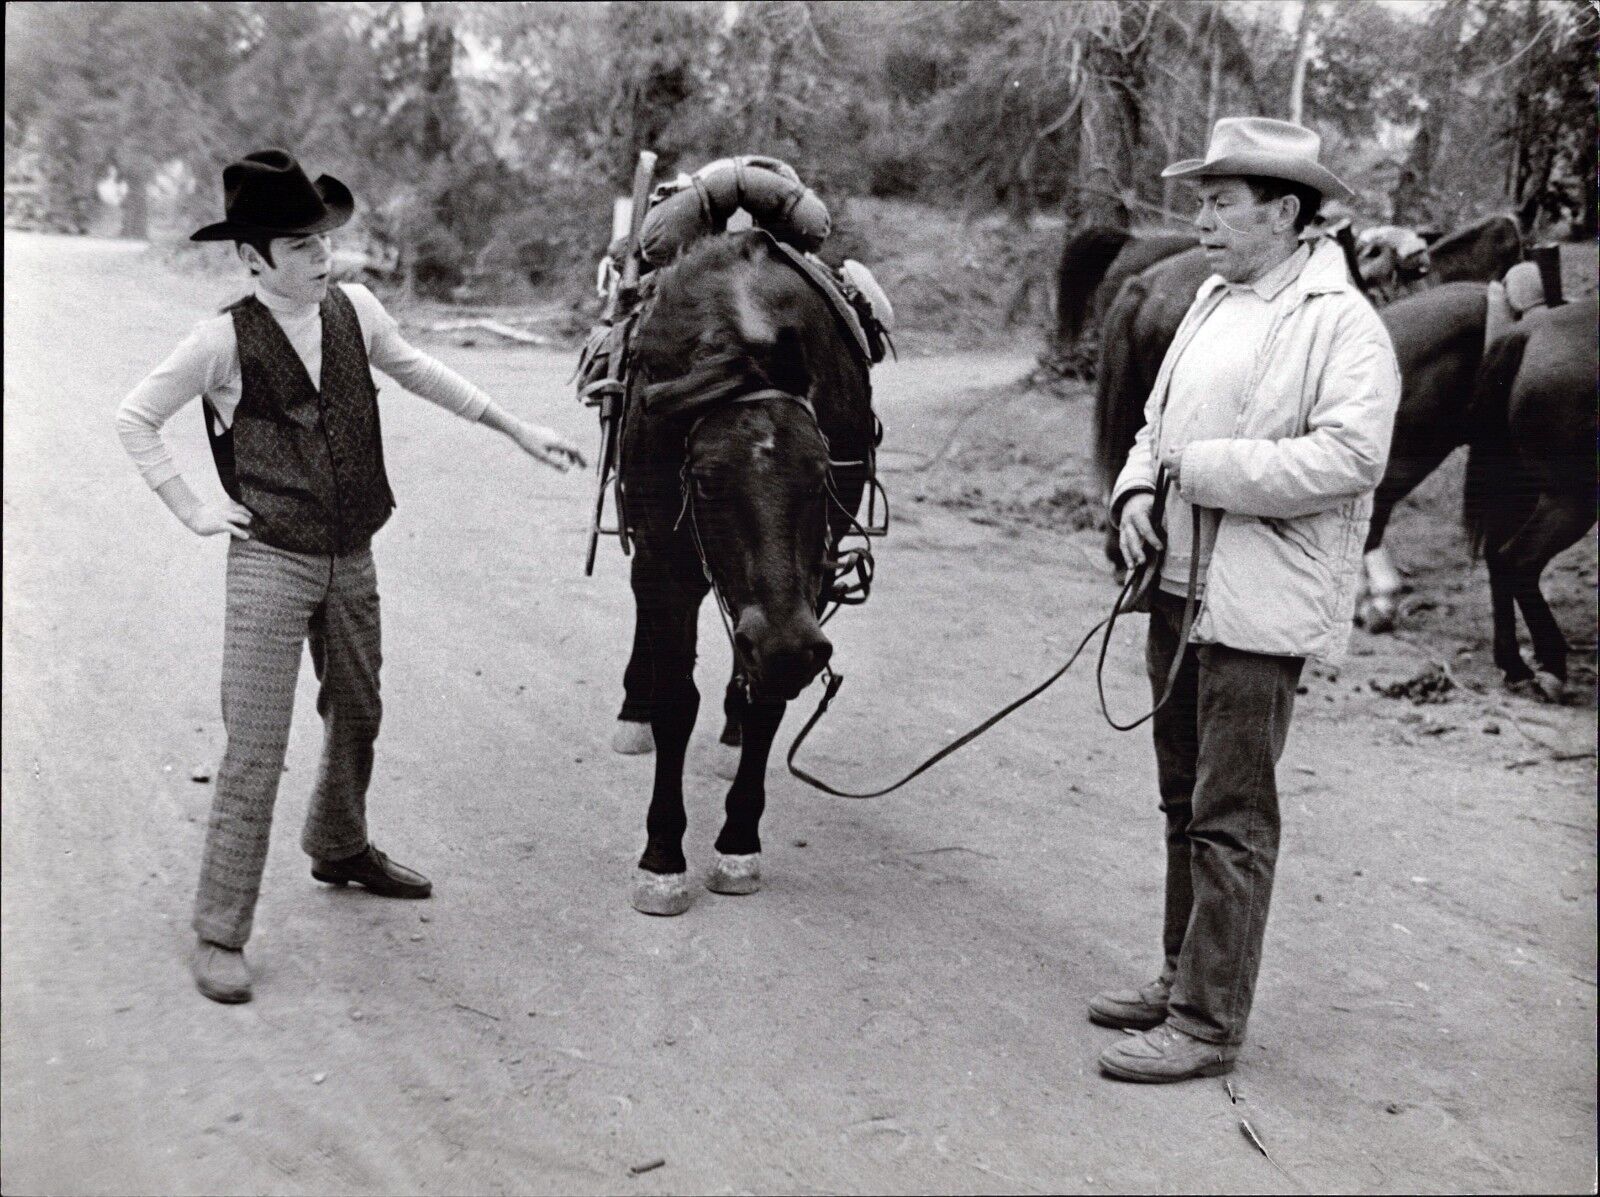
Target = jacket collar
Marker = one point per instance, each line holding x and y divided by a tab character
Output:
1324	272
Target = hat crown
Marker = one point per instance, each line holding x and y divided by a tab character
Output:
267	194
269	188
1235	135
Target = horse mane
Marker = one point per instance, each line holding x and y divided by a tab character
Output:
1085	258
716	301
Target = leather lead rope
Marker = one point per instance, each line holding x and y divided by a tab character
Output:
1135	583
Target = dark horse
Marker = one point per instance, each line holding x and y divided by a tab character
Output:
744	389
1095	262
1530	475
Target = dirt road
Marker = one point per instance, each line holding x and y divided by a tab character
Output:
900	1010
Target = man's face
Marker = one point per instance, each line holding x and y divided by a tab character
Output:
1242	237
299	268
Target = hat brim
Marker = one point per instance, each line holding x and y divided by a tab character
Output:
340	205
1272	166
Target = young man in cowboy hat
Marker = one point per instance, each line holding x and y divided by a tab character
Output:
291	410
1271	415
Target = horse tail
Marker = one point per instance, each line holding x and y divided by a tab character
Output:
1085	258
1118	395
1491	472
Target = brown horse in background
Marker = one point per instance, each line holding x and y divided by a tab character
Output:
1480	252
1530	488
1095	262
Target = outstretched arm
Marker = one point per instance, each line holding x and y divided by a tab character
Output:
424	375
543	444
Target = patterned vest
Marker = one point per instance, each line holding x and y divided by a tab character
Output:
307	463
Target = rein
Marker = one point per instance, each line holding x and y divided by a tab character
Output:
1138	582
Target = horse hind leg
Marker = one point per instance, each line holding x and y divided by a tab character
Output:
726	762
632	735
1556	524
1503	611
737	867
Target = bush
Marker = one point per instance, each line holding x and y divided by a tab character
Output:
438	261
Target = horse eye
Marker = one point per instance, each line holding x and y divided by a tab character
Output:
706	487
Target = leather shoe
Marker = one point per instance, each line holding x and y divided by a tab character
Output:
1135	1009
1166	1054
375	871
220	973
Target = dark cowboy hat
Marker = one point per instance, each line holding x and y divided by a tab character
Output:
268	195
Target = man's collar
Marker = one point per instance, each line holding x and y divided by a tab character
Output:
286	307
1323	271
1271	284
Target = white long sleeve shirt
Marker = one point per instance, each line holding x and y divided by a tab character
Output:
206	363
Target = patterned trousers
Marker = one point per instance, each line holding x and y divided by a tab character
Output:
277	600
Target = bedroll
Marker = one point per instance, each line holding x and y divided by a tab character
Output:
694	206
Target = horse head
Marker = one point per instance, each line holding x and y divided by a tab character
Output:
725	354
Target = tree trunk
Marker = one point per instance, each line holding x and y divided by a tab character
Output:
1413	190
1302	52
136	205
1108	126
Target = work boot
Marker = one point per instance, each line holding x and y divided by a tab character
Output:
375	871
1166	1054
220	973
1134	1009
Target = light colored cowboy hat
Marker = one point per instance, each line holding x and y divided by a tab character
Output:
1257	145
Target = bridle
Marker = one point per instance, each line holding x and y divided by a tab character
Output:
850	571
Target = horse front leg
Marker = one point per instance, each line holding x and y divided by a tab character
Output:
737	868
661	885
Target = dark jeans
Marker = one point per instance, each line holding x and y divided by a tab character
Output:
1217	747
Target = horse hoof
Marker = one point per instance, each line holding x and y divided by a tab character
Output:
735	874
632	739
726	763
661	893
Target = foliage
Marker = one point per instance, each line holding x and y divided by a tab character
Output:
489	138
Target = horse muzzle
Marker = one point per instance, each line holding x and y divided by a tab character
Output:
781	659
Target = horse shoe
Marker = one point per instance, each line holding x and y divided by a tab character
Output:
661	893
735	875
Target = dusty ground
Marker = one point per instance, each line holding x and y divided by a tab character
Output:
900	1010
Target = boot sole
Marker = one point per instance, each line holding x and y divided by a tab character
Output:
227	997
1218	1068
341	882
1148	1023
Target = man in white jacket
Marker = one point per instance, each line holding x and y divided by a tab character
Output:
1271	414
